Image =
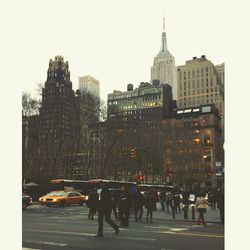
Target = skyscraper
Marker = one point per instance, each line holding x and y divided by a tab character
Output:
56	120
221	71
199	83
89	84
164	68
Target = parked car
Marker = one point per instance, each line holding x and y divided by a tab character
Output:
26	201
63	198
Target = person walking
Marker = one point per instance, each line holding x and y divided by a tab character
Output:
104	210
177	201
124	207
150	204
168	201
114	203
221	204
185	203
201	204
92	203
173	204
162	199
138	202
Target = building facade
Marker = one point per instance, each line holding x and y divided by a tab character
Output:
89	84
164	68
221	71
199	83
193	145
147	101
56	117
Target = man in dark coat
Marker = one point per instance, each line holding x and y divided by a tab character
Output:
138	202
104	210
124	207
92	204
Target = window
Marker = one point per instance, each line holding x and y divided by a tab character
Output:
202	83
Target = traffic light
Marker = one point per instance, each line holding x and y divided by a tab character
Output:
133	153
142	177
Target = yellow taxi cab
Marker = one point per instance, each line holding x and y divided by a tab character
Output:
62	198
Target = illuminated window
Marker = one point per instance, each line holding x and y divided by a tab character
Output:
196	140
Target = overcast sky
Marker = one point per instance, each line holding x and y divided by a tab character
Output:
115	41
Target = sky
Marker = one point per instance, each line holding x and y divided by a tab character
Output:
115	41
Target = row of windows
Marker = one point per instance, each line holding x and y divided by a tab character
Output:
195	102
197	91
197	83
195	73
151	97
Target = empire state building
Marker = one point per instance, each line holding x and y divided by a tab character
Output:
164	68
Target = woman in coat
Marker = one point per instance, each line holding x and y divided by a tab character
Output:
201	204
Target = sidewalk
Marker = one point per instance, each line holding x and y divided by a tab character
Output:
211	216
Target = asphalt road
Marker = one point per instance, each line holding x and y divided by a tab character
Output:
69	228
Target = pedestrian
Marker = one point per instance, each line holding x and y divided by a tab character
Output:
155	198
177	201
138	202
124	207
221	204
168	201
104	210
185	204
173	204
114	203
201	204
162	199
92	203
212	199
150	204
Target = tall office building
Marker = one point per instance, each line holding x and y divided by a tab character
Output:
164	68
221	71
89	84
57	102
199	83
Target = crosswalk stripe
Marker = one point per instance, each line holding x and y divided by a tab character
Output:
90	234
27	248
46	243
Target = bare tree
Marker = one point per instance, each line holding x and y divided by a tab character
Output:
30	136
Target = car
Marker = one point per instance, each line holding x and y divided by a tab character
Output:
62	198
26	201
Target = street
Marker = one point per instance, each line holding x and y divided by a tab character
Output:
69	228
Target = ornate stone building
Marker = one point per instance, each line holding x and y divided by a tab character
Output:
57	117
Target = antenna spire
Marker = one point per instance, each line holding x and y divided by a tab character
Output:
163	38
